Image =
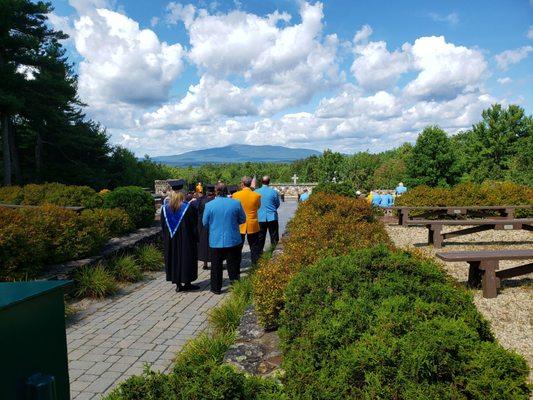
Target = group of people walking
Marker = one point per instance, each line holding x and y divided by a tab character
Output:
213	227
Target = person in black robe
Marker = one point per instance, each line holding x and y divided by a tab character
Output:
179	223
203	231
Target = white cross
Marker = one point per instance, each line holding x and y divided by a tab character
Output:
294	179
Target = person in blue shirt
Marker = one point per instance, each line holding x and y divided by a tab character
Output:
401	189
268	214
376	199
223	216
386	201
304	196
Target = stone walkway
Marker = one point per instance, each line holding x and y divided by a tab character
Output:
117	336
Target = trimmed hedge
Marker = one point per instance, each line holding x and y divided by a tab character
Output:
382	324
325	225
342	189
31	238
469	194
51	193
138	203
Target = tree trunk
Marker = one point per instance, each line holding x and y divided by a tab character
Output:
15	160
39	156
6	149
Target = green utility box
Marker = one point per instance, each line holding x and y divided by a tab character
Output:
33	341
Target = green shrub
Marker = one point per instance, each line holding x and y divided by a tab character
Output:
324	225
11	194
470	194
94	282
385	324
150	258
137	202
51	193
341	189
115	221
126	269
33	237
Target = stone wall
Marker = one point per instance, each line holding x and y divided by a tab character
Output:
290	189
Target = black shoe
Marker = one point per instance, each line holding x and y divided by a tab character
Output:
190	287
179	288
205	267
216	291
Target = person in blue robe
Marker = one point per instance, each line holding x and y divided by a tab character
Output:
401	189
376	199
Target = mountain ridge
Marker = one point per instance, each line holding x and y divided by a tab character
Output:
237	153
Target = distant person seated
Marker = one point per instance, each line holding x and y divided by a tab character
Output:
376	199
304	196
386	201
369	197
400	189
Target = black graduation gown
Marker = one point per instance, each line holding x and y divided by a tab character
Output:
181	254
203	231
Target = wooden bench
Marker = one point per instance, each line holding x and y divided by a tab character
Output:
484	267
436	237
506	212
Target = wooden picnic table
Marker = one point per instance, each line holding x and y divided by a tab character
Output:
506	212
73	208
436	237
484	265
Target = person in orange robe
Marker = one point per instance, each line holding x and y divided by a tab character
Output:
250	202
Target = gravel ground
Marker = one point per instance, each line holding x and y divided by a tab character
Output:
511	313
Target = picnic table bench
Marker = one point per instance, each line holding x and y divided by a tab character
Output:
484	267
506	212
436	237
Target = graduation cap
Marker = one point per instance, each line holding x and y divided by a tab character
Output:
192	187
176	184
209	188
232	189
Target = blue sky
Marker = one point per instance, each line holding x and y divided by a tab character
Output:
168	77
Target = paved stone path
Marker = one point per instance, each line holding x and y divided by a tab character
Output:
117	336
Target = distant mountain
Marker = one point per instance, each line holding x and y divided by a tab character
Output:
237	153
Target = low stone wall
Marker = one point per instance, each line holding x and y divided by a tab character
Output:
113	247
292	190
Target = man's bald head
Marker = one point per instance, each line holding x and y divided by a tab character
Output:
266	180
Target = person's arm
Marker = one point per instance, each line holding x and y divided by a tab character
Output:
206	216
276	200
242	215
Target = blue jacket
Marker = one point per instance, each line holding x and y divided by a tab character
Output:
401	189
223	217
304	196
269	204
376	199
386	201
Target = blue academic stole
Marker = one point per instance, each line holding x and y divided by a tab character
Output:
173	219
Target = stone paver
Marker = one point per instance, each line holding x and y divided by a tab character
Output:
117	336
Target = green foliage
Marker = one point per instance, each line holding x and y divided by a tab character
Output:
137	202
225	318
432	161
341	189
150	258
470	194
31	238
324	225
94	281
390	325
126	269
51	193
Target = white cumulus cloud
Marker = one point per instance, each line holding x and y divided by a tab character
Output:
509	57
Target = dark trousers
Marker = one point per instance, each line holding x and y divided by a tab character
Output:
232	257
273	230
253	242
